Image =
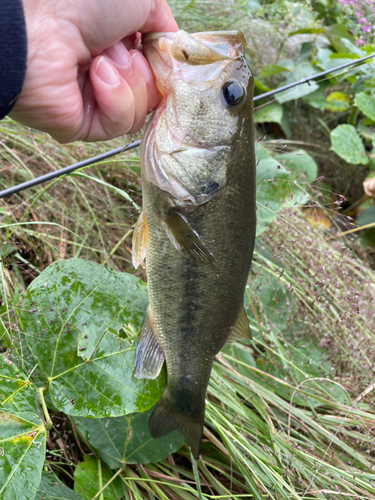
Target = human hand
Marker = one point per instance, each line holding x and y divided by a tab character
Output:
84	79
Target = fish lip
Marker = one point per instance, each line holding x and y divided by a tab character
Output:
148	37
207	46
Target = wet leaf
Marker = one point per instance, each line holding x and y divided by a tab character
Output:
86	480
127	440
348	145
272	188
22	435
17	393
51	488
75	298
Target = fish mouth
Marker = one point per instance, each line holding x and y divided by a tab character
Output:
165	51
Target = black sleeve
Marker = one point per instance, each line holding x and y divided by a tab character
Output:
13	53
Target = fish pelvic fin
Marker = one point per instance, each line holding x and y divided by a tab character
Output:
139	240
185	239
149	355
165	420
241	329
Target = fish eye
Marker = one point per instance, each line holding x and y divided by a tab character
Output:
234	93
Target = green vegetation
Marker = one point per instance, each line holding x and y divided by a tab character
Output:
290	414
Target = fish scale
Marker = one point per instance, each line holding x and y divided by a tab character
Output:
198	250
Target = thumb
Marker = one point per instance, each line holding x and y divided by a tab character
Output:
108	103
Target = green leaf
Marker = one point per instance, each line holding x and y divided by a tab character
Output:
301	163
367	216
343	55
285	124
350	47
337	101
270	70
303	360
300	71
304	31
75	298
272	188
272	300
366	103
368	237
22	435
127	440
328	60
272	112
241	352
260	86
304	170
51	488
252	5
17	393
297	92
89	475
336	34
316	99
366	132
347	144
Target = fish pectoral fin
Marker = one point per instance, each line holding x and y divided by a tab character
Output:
185	239
241	329
139	240
149	355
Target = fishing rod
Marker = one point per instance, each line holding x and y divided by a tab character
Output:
135	144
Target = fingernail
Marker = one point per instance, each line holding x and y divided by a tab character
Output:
142	64
106	72
118	54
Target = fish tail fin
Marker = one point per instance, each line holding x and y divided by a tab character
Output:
165	420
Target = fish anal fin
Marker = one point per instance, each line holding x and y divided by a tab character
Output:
139	240
149	355
165	420
241	329
185	239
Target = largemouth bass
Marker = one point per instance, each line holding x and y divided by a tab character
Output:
197	227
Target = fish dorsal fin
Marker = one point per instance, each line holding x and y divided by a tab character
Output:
241	329
149	355
139	240
185	239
